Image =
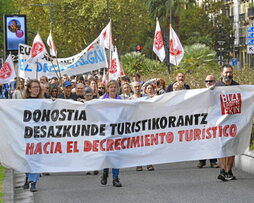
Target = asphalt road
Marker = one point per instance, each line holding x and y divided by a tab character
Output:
175	182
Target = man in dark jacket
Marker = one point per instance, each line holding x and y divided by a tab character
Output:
180	77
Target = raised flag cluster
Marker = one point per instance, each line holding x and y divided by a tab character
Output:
176	50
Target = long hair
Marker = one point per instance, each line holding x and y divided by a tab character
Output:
28	86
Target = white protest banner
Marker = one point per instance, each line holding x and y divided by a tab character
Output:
86	61
41	135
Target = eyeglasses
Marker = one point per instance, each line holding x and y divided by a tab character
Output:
35	87
206	81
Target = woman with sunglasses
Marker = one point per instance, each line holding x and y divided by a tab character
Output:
101	88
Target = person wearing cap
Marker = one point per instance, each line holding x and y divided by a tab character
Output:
67	94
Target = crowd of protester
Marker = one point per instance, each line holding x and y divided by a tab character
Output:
90	86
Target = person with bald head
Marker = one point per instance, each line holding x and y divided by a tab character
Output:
80	91
209	83
180	78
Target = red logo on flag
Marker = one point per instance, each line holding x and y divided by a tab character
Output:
158	42
230	103
37	49
104	35
113	66
173	51
89	48
5	71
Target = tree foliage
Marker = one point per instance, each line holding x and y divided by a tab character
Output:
5	8
136	62
77	23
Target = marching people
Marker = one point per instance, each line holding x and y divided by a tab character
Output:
79	89
126	91
150	90
136	88
94	86
101	88
33	91
160	89
19	92
54	91
226	163
180	78
210	83
112	90
44	79
67	94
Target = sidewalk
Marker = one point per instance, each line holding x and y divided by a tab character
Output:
245	162
13	191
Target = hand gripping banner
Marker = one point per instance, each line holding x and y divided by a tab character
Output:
58	136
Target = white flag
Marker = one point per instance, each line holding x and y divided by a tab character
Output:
105	38
51	44
104	77
7	71
38	49
115	66
158	45
175	48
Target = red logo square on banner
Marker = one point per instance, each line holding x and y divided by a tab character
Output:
231	103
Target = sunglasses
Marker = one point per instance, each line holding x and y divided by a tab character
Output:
206	81
100	87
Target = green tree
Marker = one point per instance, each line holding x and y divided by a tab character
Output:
77	23
5	8
136	62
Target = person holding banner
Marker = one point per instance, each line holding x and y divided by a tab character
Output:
226	163
209	83
136	89
33	91
112	90
180	77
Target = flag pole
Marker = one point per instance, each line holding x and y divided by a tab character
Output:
37	69
170	22
14	66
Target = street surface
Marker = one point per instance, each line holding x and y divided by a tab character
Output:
175	182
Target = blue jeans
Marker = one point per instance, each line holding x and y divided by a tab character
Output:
33	177
115	172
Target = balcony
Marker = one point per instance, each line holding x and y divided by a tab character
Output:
251	12
231	18
242	40
242	17
227	1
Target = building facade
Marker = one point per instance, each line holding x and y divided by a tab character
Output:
241	14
